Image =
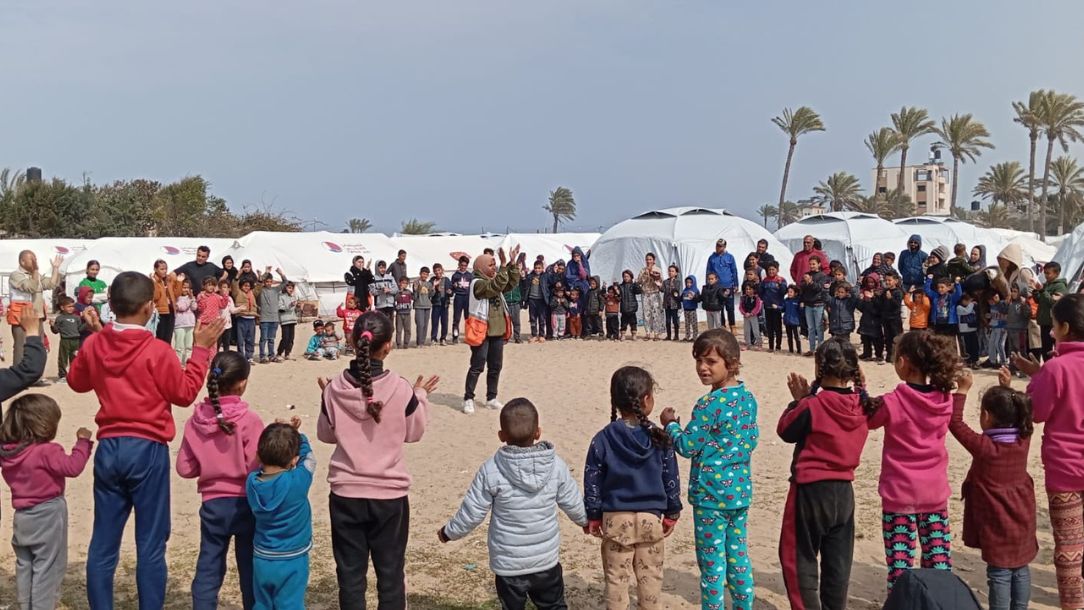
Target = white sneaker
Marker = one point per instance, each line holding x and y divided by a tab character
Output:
495	404
468	406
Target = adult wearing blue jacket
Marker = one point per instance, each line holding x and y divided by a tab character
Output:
722	264
911	264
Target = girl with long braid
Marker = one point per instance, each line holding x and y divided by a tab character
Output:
631	491
219	450
369	414
719	439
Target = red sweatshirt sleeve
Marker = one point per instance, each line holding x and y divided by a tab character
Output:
971	440
181	386
66	465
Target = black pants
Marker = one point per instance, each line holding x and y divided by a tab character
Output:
536	313
1047	341
891	330
971	346
546	590
873	346
286	343
773	319
360	528
459	310
794	338
628	320
818	520
489	356
592	325
226	340
672	320
613	326
164	332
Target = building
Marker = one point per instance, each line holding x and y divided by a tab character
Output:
813	206
928	185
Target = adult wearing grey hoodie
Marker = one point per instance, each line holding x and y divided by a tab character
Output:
522	484
397	268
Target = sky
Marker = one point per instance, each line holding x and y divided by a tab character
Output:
468	112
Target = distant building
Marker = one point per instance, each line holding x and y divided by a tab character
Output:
811	207
928	185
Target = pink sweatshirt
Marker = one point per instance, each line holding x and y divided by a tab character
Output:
1057	398
36	474
220	462
914	460
368	457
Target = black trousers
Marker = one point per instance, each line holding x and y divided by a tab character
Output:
872	346
971	346
164	332
490	357
286	343
673	320
818	520
773	319
546	590
1047	341
613	323
891	329
359	528
794	338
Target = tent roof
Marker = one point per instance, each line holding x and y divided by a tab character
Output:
1071	255
851	237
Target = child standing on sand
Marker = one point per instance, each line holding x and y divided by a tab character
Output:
720	438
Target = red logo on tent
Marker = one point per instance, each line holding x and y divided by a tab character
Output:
171	250
62	250
333	247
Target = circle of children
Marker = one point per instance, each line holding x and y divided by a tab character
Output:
255	479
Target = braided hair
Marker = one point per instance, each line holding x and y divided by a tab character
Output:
628	388
1010	409
228	371
372	331
837	358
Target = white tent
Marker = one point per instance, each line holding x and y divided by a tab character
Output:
684	236
117	254
850	237
1071	256
424	250
552	246
946	231
45	249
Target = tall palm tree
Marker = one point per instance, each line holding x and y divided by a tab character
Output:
10	181
965	138
787	213
1003	183
1069	182
800	122
891	205
881	144
417	227
767	211
562	205
1028	116
1061	116
997	216
358	225
909	123
839	190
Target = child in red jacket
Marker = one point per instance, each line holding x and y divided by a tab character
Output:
136	379
349	314
827	424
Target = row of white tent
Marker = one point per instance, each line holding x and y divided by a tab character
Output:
316	261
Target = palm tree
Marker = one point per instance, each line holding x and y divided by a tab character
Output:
802	121
767	211
964	137
910	123
10	181
881	144
787	213
1028	116
1060	116
417	227
996	216
561	205
1003	183
358	225
1069	181
891	205
839	190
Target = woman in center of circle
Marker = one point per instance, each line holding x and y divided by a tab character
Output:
650	281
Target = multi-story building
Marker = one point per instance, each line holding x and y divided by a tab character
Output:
928	185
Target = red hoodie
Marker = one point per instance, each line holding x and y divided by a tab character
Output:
137	378
829	430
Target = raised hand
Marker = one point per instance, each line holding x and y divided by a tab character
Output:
798	385
1004	377
83	433
322	382
429	385
1028	366
501	255
515	253
667	416
57	260
206	335
964	381
29	321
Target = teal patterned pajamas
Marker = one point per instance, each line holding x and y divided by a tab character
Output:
719	439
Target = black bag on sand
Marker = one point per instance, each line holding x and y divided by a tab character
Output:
931	590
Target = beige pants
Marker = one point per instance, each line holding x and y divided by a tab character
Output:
632	544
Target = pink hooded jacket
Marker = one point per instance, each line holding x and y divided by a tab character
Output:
36	472
368	458
914	460
1057	398
220	462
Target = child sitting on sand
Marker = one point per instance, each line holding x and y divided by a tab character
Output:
522	483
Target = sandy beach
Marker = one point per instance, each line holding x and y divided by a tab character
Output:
568	381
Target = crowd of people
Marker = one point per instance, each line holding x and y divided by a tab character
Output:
255	478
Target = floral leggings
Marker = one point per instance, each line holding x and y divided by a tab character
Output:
722	549
903	533
653	315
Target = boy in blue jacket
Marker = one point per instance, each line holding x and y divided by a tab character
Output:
943	301
279	496
690	296
792	319
773	290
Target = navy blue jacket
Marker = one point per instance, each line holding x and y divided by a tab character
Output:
462	292
910	264
773	291
625	472
841	315
792	311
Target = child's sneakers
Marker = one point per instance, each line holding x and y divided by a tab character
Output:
468	406
494	404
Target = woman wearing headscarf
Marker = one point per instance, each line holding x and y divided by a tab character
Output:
578	275
650	281
488	324
977	260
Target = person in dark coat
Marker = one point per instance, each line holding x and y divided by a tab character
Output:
912	262
28	371
762	254
359	277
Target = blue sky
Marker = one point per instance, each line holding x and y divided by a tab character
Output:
467	112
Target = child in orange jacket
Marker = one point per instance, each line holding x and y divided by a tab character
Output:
919	305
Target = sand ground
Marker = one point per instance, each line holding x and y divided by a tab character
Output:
568	381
